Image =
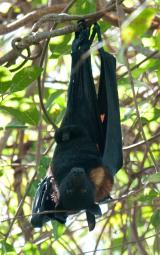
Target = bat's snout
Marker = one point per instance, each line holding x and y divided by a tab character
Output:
78	171
78	176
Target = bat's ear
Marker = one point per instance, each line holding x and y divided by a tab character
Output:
91	220
95	209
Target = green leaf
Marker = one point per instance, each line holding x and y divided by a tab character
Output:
58	229
25	77
156	245
14	125
116	243
53	97
59	46
30	116
43	166
1	172
61	51
53	250
83	7
153	178
158	76
60	116
6	248
33	188
38	2
155	219
144	121
137	23
149	65
5	79
148	197
30	249
104	26
11	253
157	40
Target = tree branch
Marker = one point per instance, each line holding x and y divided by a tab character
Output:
30	18
135	145
21	44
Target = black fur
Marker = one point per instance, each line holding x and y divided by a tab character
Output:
71	167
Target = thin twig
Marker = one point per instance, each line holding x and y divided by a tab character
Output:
49	148
102	230
127	243
119	199
31	17
138	114
139	64
41	64
19	207
135	99
140	246
132	146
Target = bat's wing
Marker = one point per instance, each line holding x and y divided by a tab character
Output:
100	118
42	202
108	104
44	207
82	105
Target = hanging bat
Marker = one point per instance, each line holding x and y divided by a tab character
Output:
89	145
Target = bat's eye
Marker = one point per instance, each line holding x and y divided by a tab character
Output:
83	191
69	191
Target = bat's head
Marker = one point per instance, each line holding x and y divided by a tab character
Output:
77	193
76	190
